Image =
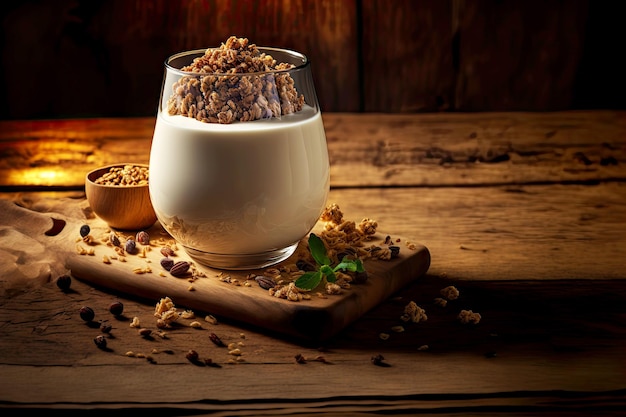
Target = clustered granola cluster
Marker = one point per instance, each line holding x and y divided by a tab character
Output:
128	175
345	236
219	93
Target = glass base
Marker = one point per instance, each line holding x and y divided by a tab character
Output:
241	262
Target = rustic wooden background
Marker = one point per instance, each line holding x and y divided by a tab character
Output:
104	58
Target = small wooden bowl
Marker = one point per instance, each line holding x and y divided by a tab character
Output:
121	207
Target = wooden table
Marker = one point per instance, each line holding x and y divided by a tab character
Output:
525	213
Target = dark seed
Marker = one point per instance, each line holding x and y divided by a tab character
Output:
180	269
143	237
115	241
167	251
299	358
167	263
395	251
145	332
64	282
192	356
379	360
84	230
216	340
100	341
265	282
87	313
131	246
105	327
116	308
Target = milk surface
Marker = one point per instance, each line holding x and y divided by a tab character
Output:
240	188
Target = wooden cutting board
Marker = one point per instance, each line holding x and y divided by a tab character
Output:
217	294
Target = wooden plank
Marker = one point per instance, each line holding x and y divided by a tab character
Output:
536	331
365	150
212	291
542	264
474	149
518	56
407	56
540	232
106	59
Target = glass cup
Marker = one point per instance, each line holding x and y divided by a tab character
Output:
242	193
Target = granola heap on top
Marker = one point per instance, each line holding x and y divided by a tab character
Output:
219	89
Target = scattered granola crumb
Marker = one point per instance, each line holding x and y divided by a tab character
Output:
187	314
450	292
165	312
468	316
414	313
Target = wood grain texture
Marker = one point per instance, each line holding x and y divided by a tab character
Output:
105	58
108	56
364	149
224	294
526	354
524	213
407	56
518	56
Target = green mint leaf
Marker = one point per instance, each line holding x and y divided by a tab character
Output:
326	269
309	280
359	266
328	273
346	264
318	250
350	265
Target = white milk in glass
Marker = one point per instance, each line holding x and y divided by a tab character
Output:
241	188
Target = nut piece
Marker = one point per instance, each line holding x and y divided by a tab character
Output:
64	282
180	269
87	313
192	355
143	237
379	360
131	246
216	340
144	332
167	263
265	282
100	341
115	241
116	308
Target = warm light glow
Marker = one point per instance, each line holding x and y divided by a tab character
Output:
38	177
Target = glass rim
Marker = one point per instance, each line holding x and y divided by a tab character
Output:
305	63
